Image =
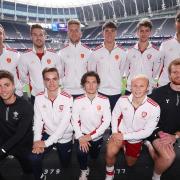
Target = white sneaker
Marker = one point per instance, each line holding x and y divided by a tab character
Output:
84	174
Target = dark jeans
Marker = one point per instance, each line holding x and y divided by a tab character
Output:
94	151
64	152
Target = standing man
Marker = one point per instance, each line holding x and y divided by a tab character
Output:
74	60
90	118
170	50
16	116
10	61
108	61
143	58
35	60
164	138
52	126
134	118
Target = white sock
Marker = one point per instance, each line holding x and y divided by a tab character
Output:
156	176
110	169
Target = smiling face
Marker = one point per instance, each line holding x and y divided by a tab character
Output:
6	90
175	74
109	35
139	87
74	33
144	33
91	85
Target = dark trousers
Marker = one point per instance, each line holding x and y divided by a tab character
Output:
94	151
112	99
64	152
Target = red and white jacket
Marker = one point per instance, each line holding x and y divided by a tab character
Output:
9	60
54	118
135	124
74	61
110	67
91	117
31	67
147	63
170	50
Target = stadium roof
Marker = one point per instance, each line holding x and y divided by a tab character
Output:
59	3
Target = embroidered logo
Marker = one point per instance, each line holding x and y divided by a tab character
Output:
98	107
15	115
8	60
116	57
167	101
149	56
61	107
48	61
144	114
82	56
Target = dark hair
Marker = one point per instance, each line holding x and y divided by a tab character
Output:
6	74
46	70
145	22
175	62
89	74
177	18
109	24
36	26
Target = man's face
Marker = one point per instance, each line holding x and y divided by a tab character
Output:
6	89
2	35
139	87
38	37
175	74
51	81
109	35
144	33
91	85
74	33
177	27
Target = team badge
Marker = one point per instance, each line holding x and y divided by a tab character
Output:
15	115
48	61
82	56
8	60
98	107
149	56
144	114
61	107
116	57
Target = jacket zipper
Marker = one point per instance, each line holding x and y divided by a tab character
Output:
7	113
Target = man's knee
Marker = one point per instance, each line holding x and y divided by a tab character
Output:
112	149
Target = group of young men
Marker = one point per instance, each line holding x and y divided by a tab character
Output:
89	100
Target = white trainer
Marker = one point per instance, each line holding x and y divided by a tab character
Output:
84	174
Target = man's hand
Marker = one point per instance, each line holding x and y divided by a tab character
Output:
39	144
117	137
166	138
37	150
84	144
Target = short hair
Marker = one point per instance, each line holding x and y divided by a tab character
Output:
36	26
1	26
6	74
46	70
90	74
140	76
175	62
177	18
146	22
74	21
109	24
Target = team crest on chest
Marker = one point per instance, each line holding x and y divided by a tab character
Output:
98	107
15	115
82	56
61	107
8	60
49	61
144	114
117	57
149	56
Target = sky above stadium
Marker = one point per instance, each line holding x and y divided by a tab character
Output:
59	3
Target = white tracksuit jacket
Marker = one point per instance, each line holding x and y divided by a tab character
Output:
91	117
74	61
53	117
9	60
147	63
135	125
170	50
110	67
31	67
